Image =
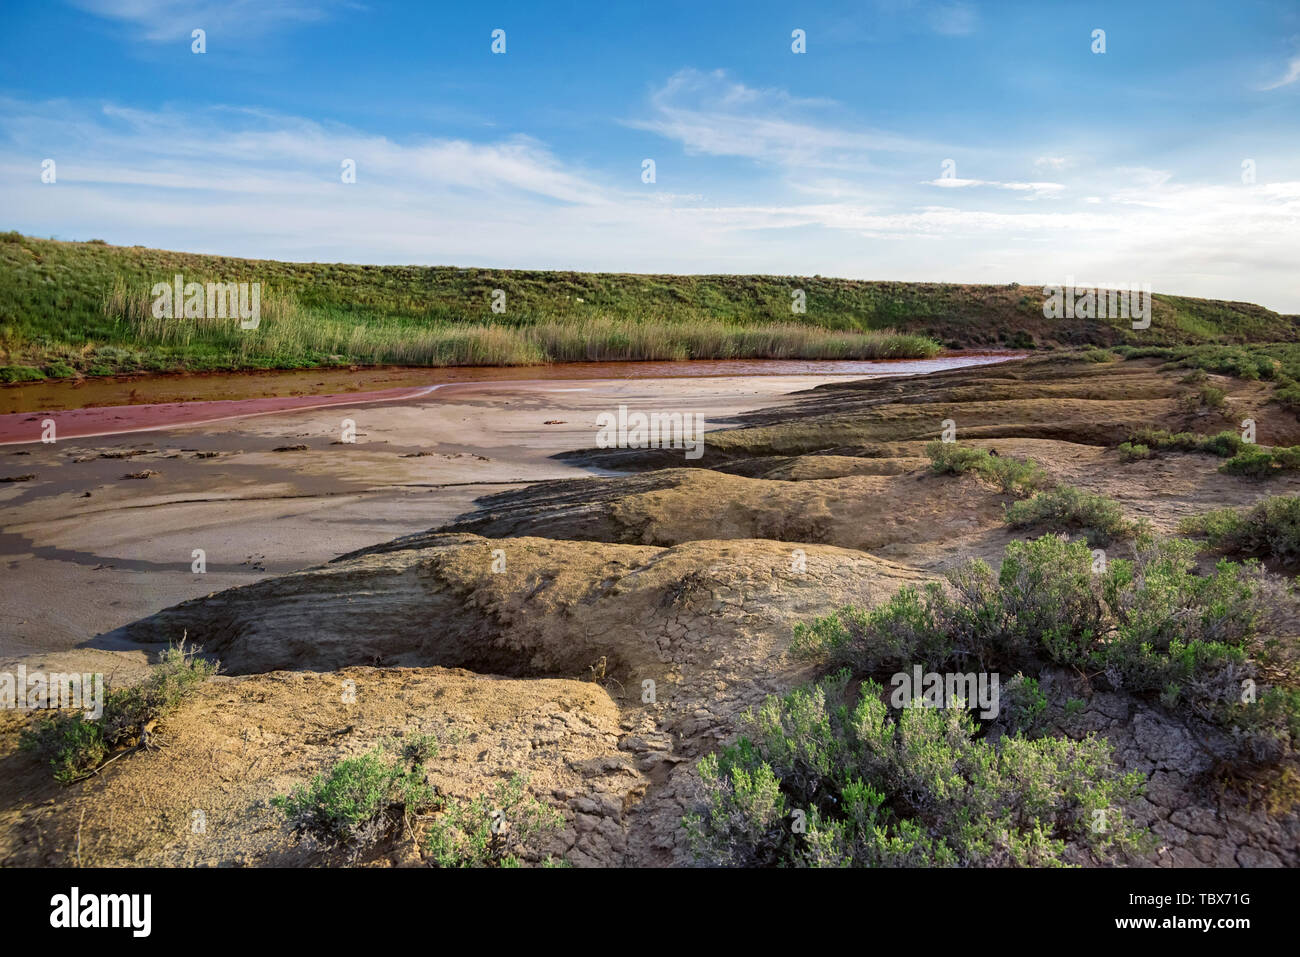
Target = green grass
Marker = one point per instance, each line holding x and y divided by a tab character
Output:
84	306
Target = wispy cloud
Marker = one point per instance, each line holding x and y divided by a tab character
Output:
1290	76
1031	190
712	113
163	21
252	183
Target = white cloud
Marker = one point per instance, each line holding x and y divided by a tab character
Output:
1052	162
712	114
1031	190
246	183
1290	76
163	21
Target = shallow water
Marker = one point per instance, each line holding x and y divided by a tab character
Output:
109	406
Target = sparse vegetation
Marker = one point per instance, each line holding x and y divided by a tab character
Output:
360	800
1066	508
827	777
1019	476
491	830
1150	625
1133	452
1268	529
77	745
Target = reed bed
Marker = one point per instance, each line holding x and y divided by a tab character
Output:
289	332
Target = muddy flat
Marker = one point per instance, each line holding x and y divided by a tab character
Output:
474	567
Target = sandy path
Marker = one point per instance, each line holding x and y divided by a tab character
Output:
85	550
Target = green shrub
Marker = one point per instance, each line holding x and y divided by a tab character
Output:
1014	475
20	374
1270	528
491	831
1222	444
60	370
1099	355
918	789
1133	452
76	745
1068	508
1252	462
360	800
1150	625
1213	398
954	459
1008	474
1022	706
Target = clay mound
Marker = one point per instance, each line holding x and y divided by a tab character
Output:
554	608
238	742
1043	398
865	460
868	512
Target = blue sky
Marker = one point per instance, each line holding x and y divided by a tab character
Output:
1122	166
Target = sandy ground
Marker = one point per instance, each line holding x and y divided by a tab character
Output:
86	550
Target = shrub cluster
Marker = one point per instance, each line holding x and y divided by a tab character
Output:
822	780
1270	528
1066	508
1019	476
362	800
1151	625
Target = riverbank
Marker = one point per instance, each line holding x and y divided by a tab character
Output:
70	310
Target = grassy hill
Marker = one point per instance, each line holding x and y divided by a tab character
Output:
84	308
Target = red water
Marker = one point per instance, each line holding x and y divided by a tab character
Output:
92	407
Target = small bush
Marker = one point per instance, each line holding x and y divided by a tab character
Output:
1213	398
954	459
76	745
1099	355
491	831
1010	475
1270	528
20	374
358	801
1252	462
1068	508
1023	704
60	370
1133	452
